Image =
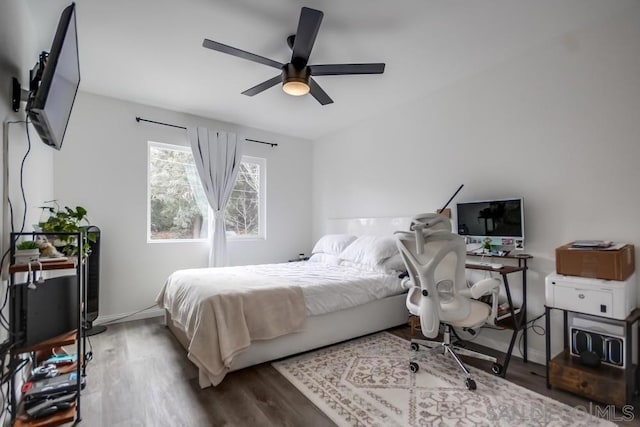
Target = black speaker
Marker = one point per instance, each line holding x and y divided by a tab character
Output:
92	281
605	346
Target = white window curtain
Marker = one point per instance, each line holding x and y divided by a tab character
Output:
217	156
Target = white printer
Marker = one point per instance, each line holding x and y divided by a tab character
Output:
606	298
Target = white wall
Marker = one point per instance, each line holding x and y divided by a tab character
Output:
18	53
558	125
103	167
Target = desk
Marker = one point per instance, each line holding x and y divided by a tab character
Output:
517	321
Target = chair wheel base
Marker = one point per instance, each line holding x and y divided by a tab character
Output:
496	368
415	346
413	367
471	384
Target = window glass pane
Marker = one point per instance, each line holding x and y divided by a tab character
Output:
243	209
178	207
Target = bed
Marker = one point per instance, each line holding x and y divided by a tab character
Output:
233	317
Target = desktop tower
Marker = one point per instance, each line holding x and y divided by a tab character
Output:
92	282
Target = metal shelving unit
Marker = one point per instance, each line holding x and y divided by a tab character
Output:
17	333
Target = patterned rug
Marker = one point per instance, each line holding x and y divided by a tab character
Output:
367	382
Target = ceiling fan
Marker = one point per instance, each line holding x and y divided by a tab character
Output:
296	76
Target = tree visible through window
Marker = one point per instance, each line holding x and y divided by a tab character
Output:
178	206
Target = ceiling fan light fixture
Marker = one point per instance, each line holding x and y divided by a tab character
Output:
295	82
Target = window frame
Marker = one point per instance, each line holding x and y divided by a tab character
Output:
262	195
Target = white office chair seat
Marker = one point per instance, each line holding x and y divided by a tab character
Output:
478	316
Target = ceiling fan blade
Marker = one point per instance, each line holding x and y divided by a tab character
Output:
308	27
319	94
263	86
210	44
342	69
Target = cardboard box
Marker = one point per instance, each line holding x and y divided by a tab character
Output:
599	264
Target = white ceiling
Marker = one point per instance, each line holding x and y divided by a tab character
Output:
150	51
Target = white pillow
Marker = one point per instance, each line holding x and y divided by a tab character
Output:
325	258
332	244
394	263
370	250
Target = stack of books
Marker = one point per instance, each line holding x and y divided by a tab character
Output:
504	311
591	244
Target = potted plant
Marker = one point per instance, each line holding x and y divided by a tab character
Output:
67	220
486	245
26	251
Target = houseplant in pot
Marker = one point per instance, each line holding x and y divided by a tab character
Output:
67	220
26	251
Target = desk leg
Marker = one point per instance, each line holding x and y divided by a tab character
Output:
516	326
523	312
547	325
628	367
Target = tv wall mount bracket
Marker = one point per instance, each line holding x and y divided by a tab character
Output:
35	75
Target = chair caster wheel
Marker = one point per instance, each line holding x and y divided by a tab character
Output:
496	368
471	384
415	346
413	367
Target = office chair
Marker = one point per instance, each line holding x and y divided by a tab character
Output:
435	261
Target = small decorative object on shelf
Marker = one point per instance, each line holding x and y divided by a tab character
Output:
486	245
26	251
504	311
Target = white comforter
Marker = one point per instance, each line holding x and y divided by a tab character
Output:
328	288
203	303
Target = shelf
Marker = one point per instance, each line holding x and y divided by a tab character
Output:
507	313
523	256
46	266
59	341
506	269
508	323
59	418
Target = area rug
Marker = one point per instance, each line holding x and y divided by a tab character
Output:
367	382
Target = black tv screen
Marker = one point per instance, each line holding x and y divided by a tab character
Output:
50	107
493	218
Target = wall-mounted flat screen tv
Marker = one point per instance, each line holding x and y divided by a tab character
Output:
49	108
492	218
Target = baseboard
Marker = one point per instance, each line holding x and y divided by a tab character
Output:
126	317
532	354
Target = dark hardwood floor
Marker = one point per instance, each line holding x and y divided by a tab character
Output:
140	376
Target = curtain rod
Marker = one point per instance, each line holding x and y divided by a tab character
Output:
140	119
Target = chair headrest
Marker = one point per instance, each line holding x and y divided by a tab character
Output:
430	220
424	225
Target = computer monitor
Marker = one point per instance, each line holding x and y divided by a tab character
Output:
500	220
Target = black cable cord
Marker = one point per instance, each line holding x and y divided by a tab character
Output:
26	122
537	329
129	315
24	197
11	214
88	357
3	320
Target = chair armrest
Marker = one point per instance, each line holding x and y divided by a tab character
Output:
484	287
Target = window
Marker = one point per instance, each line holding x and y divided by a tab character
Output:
178	209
